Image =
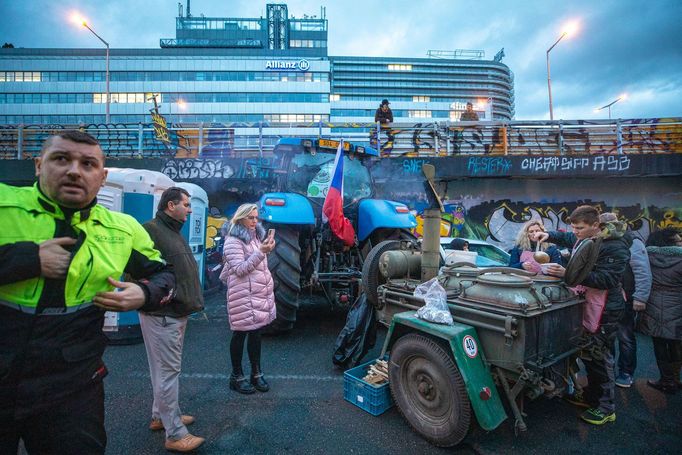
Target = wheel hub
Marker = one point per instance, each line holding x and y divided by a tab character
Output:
425	387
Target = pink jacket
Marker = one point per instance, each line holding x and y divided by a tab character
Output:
250	289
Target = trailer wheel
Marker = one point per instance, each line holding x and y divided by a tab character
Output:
371	277
429	390
285	266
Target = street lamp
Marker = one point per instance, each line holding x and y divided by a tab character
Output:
84	23
570	28
621	97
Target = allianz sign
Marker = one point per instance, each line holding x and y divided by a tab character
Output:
300	65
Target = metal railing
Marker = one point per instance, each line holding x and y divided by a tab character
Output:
210	140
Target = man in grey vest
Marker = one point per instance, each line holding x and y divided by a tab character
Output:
164	330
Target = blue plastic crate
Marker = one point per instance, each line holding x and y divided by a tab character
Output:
371	398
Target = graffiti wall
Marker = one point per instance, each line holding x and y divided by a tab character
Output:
495	210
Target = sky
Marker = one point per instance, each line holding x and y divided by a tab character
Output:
631	47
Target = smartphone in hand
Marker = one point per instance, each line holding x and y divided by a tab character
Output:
271	234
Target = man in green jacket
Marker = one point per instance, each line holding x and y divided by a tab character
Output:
61	257
164	329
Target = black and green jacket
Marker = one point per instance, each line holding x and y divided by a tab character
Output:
165	232
607	273
51	339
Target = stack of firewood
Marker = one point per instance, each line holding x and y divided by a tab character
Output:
377	374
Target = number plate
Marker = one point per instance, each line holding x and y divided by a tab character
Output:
328	143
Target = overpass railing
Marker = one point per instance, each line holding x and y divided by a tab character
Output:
211	140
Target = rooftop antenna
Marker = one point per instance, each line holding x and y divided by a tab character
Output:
189	13
179	9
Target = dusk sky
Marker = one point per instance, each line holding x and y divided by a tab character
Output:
621	46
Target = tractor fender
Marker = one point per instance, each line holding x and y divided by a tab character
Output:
468	355
286	208
379	213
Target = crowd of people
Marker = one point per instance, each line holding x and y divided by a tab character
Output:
62	256
629	287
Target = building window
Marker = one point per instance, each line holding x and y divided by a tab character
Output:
421	99
334	97
397	67
419	114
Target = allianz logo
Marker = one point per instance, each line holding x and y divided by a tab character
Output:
300	65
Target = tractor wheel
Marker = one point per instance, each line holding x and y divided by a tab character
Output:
429	390
371	277
285	266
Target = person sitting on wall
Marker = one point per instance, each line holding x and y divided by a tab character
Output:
383	114
469	115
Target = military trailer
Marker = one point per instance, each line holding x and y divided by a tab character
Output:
513	338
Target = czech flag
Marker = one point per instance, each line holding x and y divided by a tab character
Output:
332	210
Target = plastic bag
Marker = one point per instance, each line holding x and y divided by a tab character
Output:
435	308
358	336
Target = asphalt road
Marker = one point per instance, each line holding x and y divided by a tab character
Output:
305	411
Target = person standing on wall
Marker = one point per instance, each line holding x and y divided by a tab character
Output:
637	285
250	294
61	255
164	329
605	301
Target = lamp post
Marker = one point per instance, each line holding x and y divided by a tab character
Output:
108	117
549	80
622	97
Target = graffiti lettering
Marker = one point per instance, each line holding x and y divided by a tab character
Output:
413	166
478	166
184	169
611	163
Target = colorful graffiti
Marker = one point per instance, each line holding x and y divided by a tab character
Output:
495	210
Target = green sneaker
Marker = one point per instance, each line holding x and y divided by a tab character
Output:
597	417
577	399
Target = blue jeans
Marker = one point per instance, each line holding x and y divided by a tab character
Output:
627	343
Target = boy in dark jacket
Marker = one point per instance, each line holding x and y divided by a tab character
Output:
607	274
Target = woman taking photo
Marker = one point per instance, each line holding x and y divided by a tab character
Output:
522	253
250	296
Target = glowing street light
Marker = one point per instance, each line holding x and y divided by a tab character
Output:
80	20
622	97
569	30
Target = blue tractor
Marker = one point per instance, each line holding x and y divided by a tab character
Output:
308	256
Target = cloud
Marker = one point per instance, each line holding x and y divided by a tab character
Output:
622	45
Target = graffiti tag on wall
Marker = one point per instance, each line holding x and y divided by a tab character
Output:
185	169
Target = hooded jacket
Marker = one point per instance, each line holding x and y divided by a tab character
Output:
165	232
607	273
637	277
250	289
663	315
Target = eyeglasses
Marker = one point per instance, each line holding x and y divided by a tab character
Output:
252	218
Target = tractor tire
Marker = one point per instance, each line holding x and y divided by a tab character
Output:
429	390
371	277
285	266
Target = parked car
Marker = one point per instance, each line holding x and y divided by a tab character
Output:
488	255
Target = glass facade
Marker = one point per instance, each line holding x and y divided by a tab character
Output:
273	69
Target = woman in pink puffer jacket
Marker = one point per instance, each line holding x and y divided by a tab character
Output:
250	294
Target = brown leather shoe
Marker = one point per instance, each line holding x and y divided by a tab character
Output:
186	444
157	424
